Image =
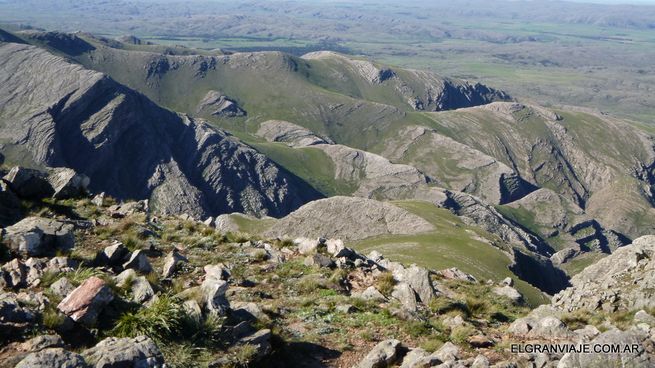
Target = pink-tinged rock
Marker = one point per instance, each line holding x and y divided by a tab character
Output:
85	303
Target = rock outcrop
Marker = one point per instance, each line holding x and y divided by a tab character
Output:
291	134
621	281
215	104
347	218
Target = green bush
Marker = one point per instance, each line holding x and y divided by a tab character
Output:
161	321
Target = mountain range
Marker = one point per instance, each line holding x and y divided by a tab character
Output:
267	134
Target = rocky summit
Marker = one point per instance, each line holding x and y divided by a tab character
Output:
84	285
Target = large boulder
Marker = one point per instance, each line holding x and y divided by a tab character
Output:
29	183
172	263
52	357
138	261
138	352
418	278
214	288
349	219
86	302
383	355
15	354
38	236
113	255
406	296
66	183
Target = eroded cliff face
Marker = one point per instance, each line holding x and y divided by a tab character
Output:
64	115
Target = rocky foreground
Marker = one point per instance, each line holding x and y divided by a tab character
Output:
89	282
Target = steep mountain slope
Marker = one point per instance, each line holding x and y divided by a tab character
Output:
55	113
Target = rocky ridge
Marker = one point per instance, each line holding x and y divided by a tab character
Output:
84	120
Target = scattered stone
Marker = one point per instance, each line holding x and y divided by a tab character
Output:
588	332
456	274
193	310
10	206
210	221
217	271
319	260
509	292
418	358
480	362
99	199
507	281
644	317
142	290
306	246
85	303
127	209
520	327
336	248
345	308
52	357
550	327
11	311
383	355
448	352
38	236
371	293
113	255
172	263
214	288
113	352
61	264
248	312
139	262
14	274
62	287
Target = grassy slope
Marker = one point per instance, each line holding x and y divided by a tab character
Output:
310	164
451	244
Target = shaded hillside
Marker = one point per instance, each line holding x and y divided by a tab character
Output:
55	113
